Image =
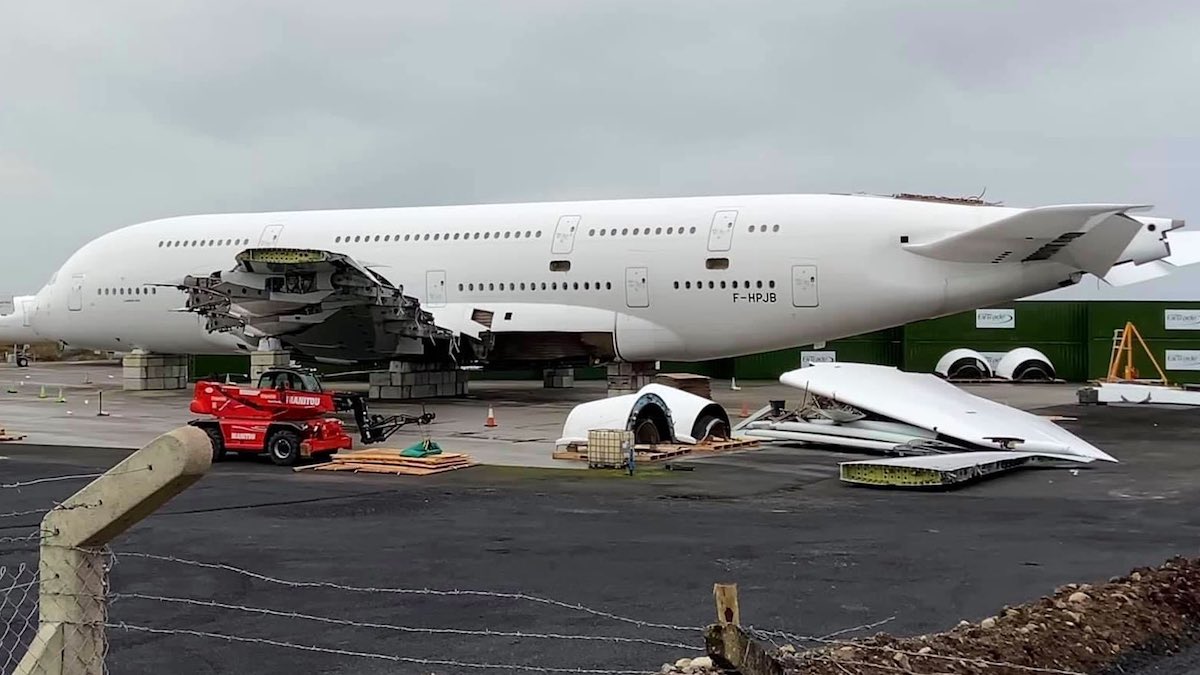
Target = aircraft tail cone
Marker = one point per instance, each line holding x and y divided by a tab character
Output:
491	418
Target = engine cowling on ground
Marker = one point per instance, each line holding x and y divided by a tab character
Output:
655	414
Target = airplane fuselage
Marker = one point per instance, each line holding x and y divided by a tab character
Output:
663	279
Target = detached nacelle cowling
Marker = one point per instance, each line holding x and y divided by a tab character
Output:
963	364
655	414
1025	364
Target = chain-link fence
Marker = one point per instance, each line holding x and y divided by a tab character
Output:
54	580
18	612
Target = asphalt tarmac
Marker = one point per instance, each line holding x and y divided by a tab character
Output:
810	555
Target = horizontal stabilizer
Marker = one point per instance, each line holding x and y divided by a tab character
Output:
1089	237
1184	252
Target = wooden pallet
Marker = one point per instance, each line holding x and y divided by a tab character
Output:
392	462
656	453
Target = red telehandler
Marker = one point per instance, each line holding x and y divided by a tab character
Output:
288	415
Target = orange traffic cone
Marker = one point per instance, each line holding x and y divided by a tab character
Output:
745	409
491	418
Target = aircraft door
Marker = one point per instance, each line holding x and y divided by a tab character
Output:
720	235
564	234
28	307
75	296
270	235
804	286
435	288
637	291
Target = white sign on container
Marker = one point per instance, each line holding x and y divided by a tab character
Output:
809	358
1181	319
1183	359
995	318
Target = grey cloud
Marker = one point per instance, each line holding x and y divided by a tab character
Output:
132	110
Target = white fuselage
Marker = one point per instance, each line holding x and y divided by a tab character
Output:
791	270
16	327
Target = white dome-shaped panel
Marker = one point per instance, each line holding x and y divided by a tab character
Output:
685	417
1025	364
963	364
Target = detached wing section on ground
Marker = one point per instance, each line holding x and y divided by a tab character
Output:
886	409
322	303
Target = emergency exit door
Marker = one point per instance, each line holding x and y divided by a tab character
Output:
435	288
270	235
637	291
75	297
564	234
804	286
720	235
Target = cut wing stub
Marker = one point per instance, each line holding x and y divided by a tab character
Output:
315	300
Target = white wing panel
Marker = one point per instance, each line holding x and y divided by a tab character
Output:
926	401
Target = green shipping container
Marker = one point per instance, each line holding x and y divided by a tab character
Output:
881	348
203	366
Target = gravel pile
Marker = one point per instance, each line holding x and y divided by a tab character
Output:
1080	628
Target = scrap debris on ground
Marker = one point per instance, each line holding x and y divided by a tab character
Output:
1080	628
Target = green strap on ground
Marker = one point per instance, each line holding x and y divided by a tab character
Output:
422	449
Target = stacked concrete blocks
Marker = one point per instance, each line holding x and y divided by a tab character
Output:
154	372
408	380
629	378
261	361
558	378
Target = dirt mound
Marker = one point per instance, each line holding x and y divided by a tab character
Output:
1079	629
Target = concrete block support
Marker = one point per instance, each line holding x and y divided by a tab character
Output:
408	380
628	378
261	361
558	378
146	372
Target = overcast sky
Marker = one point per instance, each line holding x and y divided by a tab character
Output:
116	112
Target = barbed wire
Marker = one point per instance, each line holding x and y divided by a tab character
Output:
842	663
769	635
57	507
406	629
76	476
374	655
503	595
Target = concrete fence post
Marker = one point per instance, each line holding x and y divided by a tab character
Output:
73	580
